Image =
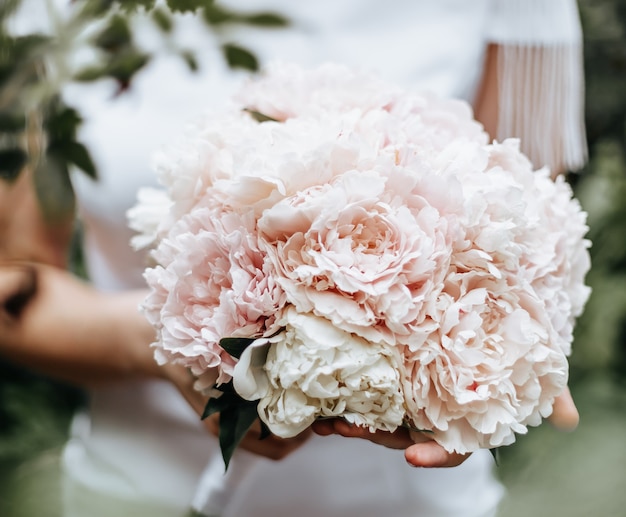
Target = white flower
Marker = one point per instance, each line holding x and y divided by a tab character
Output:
147	216
312	369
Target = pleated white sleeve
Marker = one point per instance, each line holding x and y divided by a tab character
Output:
541	81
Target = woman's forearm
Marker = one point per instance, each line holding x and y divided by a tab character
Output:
56	324
486	103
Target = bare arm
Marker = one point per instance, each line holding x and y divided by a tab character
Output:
62	327
486	103
51	321
25	234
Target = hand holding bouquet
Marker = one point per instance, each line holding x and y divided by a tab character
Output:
333	246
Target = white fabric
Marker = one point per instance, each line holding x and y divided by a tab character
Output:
541	79
140	446
541	100
534	22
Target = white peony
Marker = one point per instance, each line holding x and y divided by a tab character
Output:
313	370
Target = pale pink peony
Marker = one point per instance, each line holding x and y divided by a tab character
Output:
497	359
286	90
211	282
364	252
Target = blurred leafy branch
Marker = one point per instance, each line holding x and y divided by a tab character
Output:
600	344
80	41
86	41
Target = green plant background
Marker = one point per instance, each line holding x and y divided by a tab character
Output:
546	473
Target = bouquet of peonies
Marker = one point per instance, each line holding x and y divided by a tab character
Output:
333	246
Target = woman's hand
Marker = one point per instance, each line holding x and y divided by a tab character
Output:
564	415
419	449
271	447
60	326
18	286
422	451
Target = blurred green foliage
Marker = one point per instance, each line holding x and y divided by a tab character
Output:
582	473
39	130
36	127
600	344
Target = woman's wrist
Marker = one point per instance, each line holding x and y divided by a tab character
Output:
133	335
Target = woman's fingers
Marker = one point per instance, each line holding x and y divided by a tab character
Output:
184	381
419	449
430	454
18	285
565	415
399	439
271	447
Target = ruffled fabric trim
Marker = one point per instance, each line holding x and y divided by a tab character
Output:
541	81
541	101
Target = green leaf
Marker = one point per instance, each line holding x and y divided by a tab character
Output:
12	162
77	153
135	5
18	48
265	431
234	424
115	35
12	123
215	15
96	8
185	6
90	74
239	57
122	68
236	417
190	58
219	404
20	58
270	20
226	387
163	20
61	125
258	116
235	345
54	188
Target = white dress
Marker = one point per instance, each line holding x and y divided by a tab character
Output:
139	450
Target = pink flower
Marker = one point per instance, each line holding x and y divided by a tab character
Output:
286	90
488	371
364	252
212	281
498	357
